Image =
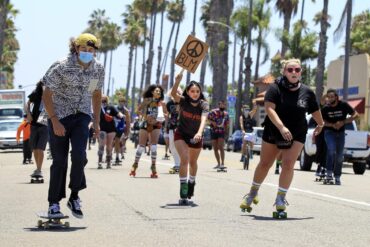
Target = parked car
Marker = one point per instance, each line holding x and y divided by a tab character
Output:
235	141
258	132
207	141
356	147
8	133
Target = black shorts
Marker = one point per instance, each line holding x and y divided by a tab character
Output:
187	139
39	137
270	135
217	135
149	127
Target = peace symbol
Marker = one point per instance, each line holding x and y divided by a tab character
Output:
194	48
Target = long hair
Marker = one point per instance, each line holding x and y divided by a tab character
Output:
148	93
38	90
193	83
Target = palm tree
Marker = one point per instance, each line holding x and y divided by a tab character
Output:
323	18
286	8
221	12
204	18
4	7
182	10
192	33
161	8
262	16
360	33
132	36
239	21
346	15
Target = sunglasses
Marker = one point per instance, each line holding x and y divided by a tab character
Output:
104	101
297	70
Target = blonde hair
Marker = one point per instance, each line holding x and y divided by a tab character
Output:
105	97
284	63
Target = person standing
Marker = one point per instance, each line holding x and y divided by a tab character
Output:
39	130
335	115
25	127
189	133
219	121
286	102
72	85
150	126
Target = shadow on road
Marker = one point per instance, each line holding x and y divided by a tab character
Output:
178	206
265	218
54	229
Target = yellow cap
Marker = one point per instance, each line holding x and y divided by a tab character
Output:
88	39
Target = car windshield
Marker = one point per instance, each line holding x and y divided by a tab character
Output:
11	112
9	126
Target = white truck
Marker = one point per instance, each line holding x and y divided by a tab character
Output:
356	148
12	103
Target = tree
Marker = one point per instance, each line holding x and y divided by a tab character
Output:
360	33
162	9
204	18
220	11
4	10
345	21
286	8
323	18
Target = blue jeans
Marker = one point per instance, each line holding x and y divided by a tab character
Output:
334	156
77	133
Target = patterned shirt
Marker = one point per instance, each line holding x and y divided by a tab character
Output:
72	86
221	118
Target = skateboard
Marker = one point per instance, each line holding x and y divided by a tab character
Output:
328	181
185	202
279	215
37	179
47	222
174	170
222	169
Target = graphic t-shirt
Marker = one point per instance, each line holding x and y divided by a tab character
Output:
333	114
107	115
190	116
173	114
221	118
291	106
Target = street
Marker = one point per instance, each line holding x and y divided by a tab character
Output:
124	211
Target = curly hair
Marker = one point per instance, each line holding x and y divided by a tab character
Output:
193	83
148	93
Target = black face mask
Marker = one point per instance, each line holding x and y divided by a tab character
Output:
195	101
222	108
290	85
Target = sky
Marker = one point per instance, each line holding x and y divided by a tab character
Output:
45	27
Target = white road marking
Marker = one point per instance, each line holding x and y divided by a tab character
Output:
325	195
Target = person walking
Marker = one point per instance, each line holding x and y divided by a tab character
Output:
219	121
72	85
39	130
193	115
122	129
25	127
286	102
335	115
150	110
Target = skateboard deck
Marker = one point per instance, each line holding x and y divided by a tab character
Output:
37	179
46	222
222	169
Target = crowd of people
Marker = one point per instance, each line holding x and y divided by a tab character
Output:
67	109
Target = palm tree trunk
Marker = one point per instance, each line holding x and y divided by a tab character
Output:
240	85
284	48
151	43
3	17
110	71
172	73
143	64
259	45
160	51
204	66
130	55
347	50
105	65
164	62
133	86
322	52
248	59
192	33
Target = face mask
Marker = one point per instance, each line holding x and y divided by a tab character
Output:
222	109
86	57
194	100
104	104
332	102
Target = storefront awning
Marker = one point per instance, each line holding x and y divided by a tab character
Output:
358	105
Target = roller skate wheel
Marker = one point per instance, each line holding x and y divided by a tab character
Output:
243	210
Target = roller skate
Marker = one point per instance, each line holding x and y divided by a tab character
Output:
118	162
191	186
280	204
320	175
154	172
328	179
36	177
109	158
248	199
174	170
100	161
184	190
166	157
133	170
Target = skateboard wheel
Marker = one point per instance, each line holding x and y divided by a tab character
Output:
66	224
46	225
39	223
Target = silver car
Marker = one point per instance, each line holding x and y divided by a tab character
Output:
8	133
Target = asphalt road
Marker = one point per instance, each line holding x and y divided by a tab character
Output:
124	211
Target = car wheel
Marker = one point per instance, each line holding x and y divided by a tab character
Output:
305	161
359	168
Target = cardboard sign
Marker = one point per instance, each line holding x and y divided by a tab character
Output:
191	54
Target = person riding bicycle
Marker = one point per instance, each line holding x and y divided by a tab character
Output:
246	124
